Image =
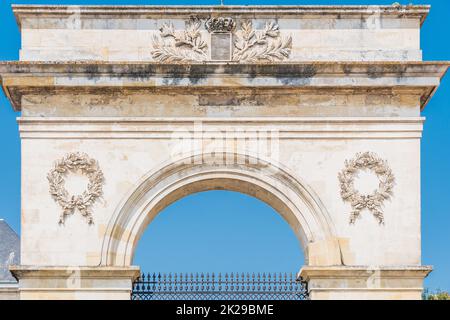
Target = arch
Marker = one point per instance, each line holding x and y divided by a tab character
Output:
254	176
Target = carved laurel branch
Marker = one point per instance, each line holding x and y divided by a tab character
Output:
252	46
374	201
172	46
76	162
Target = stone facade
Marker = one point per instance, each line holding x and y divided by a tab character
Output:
140	95
372	33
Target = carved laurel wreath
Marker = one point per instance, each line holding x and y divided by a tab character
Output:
76	162
374	201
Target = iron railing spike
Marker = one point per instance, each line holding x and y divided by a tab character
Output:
216	286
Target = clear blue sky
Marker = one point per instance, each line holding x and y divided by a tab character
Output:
216	230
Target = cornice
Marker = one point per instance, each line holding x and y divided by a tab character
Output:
398	11
324	272
21	77
170	127
27	272
121	68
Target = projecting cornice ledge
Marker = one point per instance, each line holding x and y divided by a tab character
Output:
408	11
19	78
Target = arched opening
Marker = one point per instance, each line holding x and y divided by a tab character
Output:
218	244
218	231
267	181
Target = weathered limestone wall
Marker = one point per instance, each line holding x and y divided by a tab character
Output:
224	103
310	149
366	33
75	282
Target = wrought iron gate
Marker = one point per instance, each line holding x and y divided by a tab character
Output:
211	286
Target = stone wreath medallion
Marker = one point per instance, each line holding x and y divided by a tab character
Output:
73	163
373	202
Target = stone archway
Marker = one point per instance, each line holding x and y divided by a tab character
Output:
335	109
291	198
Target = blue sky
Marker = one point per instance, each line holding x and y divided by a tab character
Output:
232	232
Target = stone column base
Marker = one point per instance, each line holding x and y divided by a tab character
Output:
365	283
75	283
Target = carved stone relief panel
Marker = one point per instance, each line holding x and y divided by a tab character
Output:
253	45
187	45
76	162
373	202
226	43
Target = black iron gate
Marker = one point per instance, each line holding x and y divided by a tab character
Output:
211	286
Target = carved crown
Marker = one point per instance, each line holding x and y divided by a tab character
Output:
220	24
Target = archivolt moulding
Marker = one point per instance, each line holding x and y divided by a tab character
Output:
269	182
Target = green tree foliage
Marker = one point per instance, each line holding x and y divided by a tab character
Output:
437	295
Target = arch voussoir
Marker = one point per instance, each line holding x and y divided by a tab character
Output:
260	178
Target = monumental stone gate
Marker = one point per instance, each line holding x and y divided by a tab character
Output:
314	110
